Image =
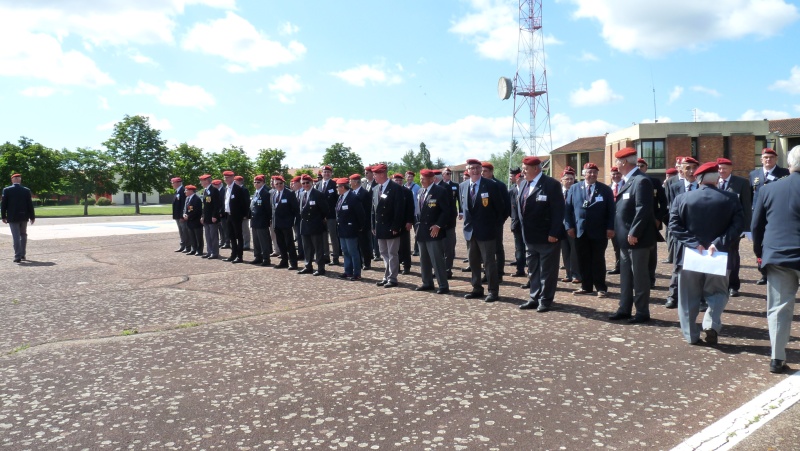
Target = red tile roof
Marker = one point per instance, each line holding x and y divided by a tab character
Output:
785	126
589	144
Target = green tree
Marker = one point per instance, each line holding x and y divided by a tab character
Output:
510	158
234	159
310	171
344	161
39	165
87	171
439	163
189	163
408	162
140	154
270	162
423	158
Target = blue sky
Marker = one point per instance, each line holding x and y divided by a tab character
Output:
382	76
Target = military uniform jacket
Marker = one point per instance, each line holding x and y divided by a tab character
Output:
286	211
452	189
704	217
741	187
504	191
313	213
212	204
365	197
388	211
194	211
261	209
328	191
239	203
483	215
410	207
434	209
17	204
776	223
634	213
178	202
590	216
541	210
350	216
757	179
660	202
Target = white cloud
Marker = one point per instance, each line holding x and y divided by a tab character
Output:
598	94
792	85
103	103
237	41
753	115
376	74
289	29
586	56
551	40
706	116
797	108
285	86
675	94
661	120
41	91
704	90
493	28
137	57
657	28
174	94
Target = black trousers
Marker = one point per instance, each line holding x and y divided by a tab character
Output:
652	262
236	236
616	253
365	247
195	239
519	250
285	239
500	251
733	253
592	262
314	250
404	254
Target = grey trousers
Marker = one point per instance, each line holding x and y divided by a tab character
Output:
183	232
390	249
19	235
262	244
212	238
332	238
449	248
275	248
634	281
245	232
542	260
431	259
694	287
781	293
486	252
314	250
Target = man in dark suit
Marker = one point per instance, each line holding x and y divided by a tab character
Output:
261	206
178	202
516	230
365	235
297	188
569	252
483	207
388	222
541	207
661	216
487	171
404	253
313	220
192	216
327	187
741	187
369	185
616	186
450	236
760	177
237	205
285	211
589	217
16	210
212	210
690	225
776	241
685	184
635	232
224	241
435	214
350	221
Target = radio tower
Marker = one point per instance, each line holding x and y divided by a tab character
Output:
531	126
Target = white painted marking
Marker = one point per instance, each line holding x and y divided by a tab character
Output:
54	232
737	425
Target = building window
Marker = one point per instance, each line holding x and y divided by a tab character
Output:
694	148
577	160
726	147
761	143
652	150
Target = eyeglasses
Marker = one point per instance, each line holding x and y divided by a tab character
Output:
305	183
278	183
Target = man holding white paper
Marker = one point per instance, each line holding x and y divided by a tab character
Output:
704	219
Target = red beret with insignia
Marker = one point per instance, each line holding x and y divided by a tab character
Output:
397	175
672	171
426	173
625	153
590	166
259	178
724	161
711	166
487	165
380	168
205	176
531	161
472	161
768	151
190	187
173	180
239	178
306	178
343	181
641	161
690	160
614	169
355	177
327	168
16	175
228	174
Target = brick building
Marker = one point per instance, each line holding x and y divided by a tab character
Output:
579	152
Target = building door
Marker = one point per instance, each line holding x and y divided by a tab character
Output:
126	199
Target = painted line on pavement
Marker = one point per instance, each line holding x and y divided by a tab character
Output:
60	231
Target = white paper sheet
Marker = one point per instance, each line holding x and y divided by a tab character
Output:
716	264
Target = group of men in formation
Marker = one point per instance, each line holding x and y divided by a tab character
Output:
701	207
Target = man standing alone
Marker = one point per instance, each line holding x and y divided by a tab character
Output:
17	210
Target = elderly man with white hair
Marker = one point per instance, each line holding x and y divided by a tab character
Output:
776	241
691	229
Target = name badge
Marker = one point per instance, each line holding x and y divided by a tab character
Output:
283	201
330	190
484	195
312	202
598	199
626	195
455	188
771	177
383	196
541	198
232	196
259	202
344	207
177	196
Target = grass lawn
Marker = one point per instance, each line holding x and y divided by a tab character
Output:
111	210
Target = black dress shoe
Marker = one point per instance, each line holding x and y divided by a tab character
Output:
335	261
180	250
613	271
639	319
292	268
424	288
237	260
449	274
734	293
229	259
213	257
281	265
406	271
711	336
474	295
671	304
200	254
484	279
380	283
777	366
543	309
762	281
619	316
246	248
467	269
526	285
493	297
442	291
415	254
390	285
466	260
225	246
344	276
305	271
530	305
377	259
518	274
355	278
17	260
257	261
319	273
191	253
667	261
266	263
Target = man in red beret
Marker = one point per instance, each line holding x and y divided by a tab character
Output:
689	183
261	205
365	235
759	177
388	221
350	221
635	232
404	253
661	216
411	185
434	215
285	211
313	220
516	230
178	202
239	180
541	216
741	187
327	186
237	206
16	210
569	252
212	210
616	187
692	230
450	237
192	215
487	172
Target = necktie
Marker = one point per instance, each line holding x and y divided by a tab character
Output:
691	187
305	198
474	192
616	189
186	205
422	198
589	192
339	204
723	184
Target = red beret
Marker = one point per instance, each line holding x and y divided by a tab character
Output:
343	181
280	178
296	178
205	176
368	169
327	168
724	161
706	168
238	178
472	161
397	175
410	172
379	168
614	169
641	161
306	177
426	173
259	178
690	160
190	187
625	153
590	166
437	172
487	165
228	174
355	177
672	171
531	161
768	150
678	159
567	172
16	175
216	182
173	179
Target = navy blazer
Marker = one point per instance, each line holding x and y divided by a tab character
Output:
261	209
591	217
285	212
328	191
634	213
239	202
388	211
758	181
504	191
17	204
313	213
706	216
452	188
212	205
350	216
435	210
741	187
194	211
776	223
541	210
513	196
410	208
482	217
660	202
177	203
365	196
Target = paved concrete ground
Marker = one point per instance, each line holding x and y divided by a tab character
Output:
240	357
